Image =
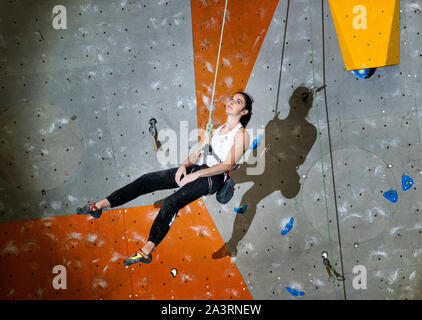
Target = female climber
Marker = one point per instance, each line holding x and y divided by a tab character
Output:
195	176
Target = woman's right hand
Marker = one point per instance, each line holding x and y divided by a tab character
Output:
179	173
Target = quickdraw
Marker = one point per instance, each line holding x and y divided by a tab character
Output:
332	273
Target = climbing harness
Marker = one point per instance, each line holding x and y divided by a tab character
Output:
226	191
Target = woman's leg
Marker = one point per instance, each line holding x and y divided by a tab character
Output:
171	205
149	182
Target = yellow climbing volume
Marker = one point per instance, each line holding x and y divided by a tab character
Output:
368	32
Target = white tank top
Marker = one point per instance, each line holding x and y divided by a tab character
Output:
221	144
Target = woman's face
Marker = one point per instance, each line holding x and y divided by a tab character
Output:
235	104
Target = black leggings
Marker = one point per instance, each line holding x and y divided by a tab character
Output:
165	179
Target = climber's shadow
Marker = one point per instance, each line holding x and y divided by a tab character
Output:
288	142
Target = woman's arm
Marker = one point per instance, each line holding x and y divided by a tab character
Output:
241	143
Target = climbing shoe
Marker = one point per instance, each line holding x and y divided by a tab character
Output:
138	256
91	209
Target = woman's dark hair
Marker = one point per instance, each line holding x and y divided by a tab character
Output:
248	106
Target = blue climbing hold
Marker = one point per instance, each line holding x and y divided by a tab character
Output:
287	227
391	195
255	142
406	182
295	292
241	209
363	73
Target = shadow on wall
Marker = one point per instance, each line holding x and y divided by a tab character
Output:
288	142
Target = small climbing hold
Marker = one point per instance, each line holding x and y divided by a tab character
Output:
255	142
242	209
295	292
391	195
173	272
363	73
287	227
406	182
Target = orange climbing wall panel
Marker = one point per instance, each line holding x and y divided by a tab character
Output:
244	32
93	250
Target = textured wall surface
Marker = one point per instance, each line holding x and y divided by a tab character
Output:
74	126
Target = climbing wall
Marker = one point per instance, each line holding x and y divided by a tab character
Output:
82	99
370	140
378	120
83	132
75	109
92	252
270	261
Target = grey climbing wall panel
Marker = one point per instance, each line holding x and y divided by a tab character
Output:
102	79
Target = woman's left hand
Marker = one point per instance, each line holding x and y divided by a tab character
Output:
189	178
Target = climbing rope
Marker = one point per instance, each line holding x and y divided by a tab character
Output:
319	142
281	59
209	124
